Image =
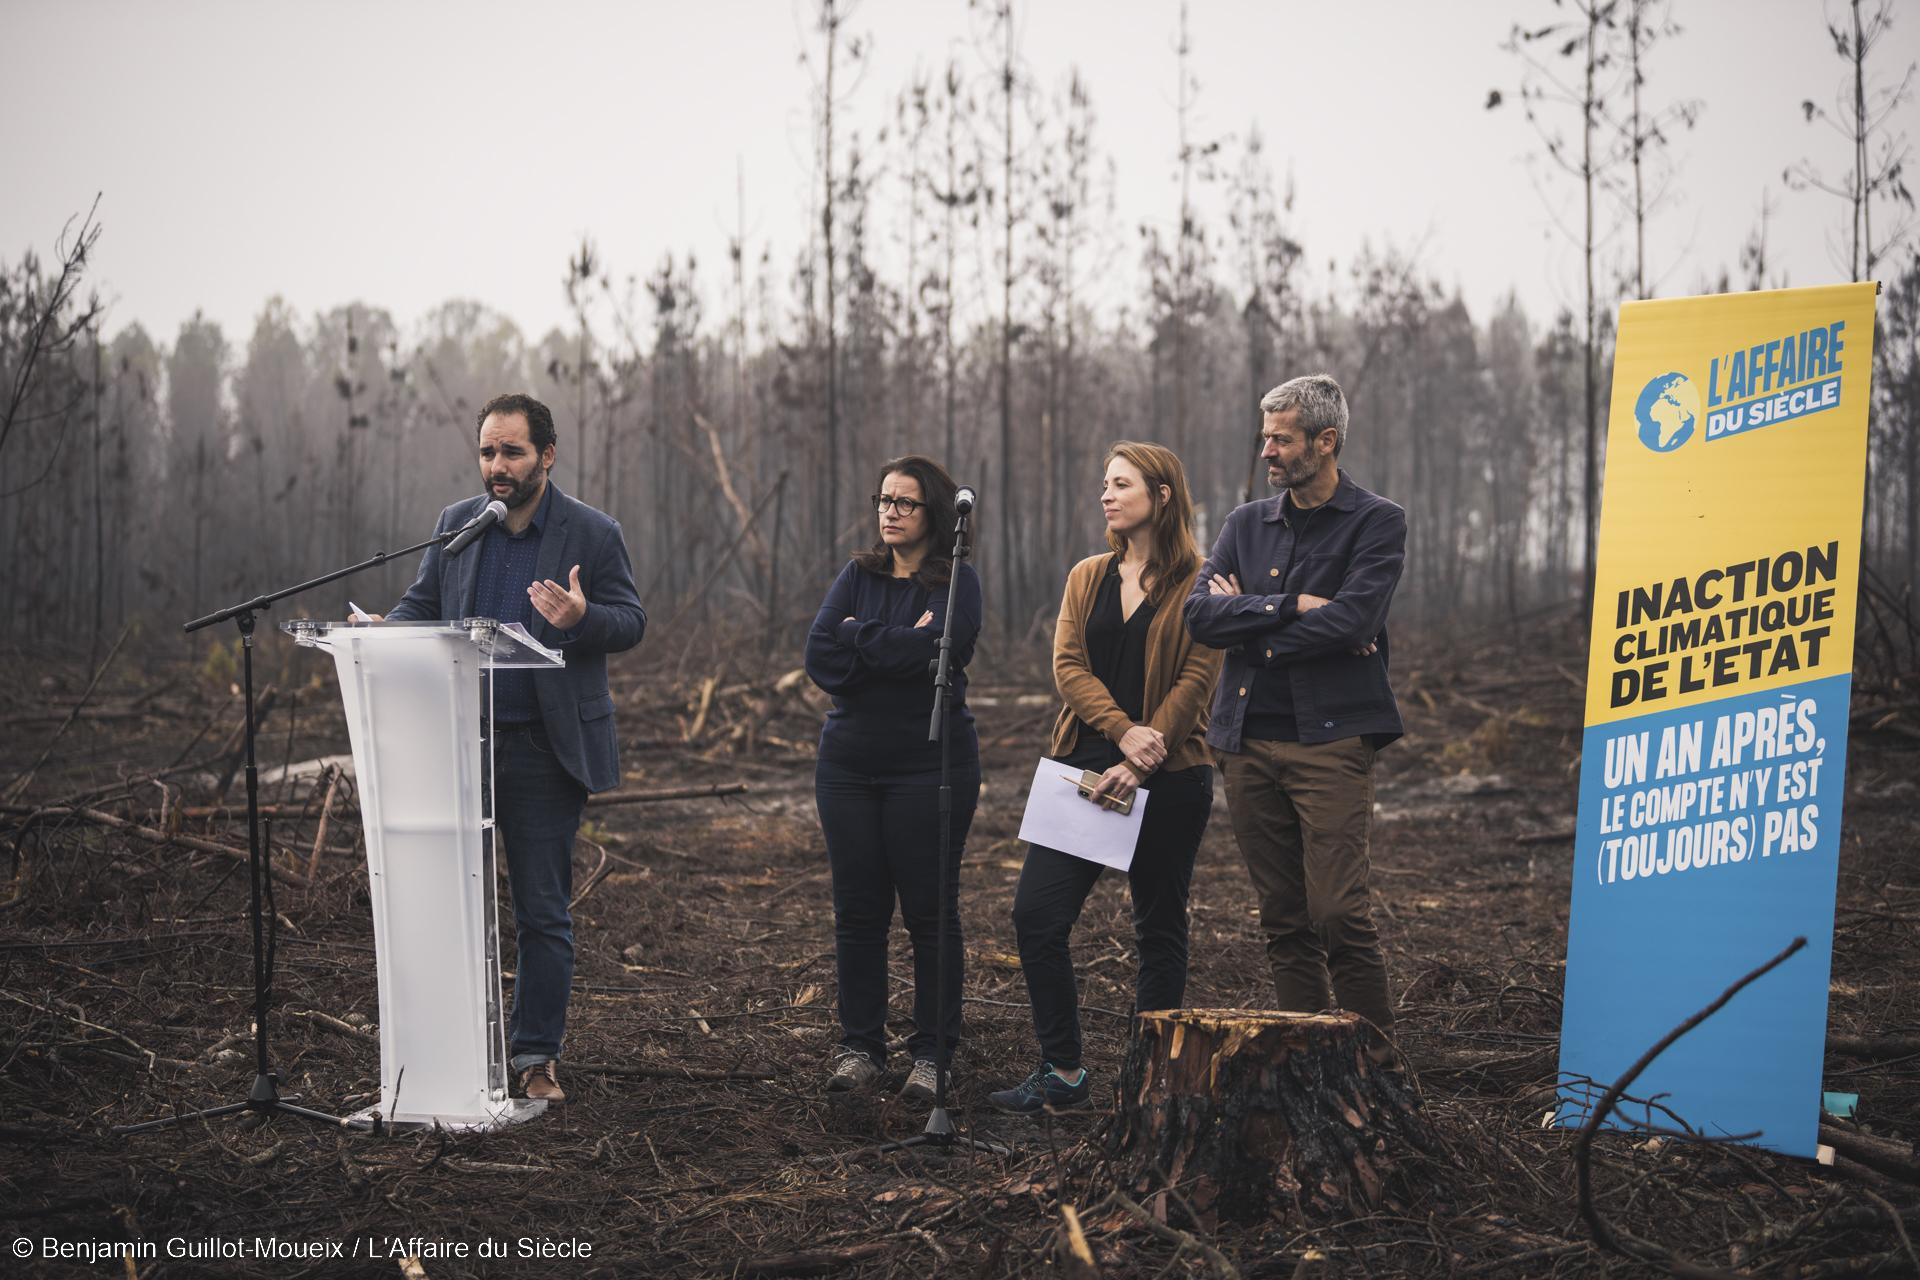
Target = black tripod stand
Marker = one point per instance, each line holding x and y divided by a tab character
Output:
265	1094
939	1133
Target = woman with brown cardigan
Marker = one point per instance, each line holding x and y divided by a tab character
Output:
1136	689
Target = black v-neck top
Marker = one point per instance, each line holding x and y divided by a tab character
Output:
1117	648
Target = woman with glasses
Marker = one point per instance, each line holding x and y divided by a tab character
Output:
877	778
1136	689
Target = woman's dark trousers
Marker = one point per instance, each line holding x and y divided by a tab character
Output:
883	844
1054	886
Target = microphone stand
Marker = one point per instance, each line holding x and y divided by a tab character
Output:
264	1096
939	1133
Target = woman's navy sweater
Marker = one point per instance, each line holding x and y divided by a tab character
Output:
876	668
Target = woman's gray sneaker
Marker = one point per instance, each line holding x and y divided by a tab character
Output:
852	1069
923	1082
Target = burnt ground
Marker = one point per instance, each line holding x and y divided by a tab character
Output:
704	933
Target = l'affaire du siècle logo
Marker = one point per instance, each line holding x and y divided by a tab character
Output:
1780	380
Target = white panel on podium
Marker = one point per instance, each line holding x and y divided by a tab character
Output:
423	767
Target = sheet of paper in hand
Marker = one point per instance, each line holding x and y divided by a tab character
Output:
1058	817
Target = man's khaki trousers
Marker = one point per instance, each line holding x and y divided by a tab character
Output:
1302	814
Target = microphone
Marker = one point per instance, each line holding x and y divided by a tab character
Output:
963	501
493	513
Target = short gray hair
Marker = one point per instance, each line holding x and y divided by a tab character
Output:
1320	401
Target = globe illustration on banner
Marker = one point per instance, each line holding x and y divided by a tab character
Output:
1666	412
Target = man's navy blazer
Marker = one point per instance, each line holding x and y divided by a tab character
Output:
575	705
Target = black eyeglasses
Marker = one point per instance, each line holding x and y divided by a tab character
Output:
903	507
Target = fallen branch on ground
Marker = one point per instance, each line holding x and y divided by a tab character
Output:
1604	1233
332	1023
809	1262
151	836
668	793
1874	1046
1884	1155
1175	1236
151	1057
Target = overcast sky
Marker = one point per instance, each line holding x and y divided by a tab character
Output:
403	154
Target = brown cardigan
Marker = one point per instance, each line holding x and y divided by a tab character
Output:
1180	674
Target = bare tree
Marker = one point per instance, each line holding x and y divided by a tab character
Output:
1513	449
832	90
913	119
1758	270
196	370
1010	89
1062	236
737	259
1646	129
1898	387
1192	278
1585	44
583	269
1268	259
1862	114
959	195
52	326
268	389
99	503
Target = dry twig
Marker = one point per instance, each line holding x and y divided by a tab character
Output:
1604	1233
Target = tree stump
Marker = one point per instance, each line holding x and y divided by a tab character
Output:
1253	1114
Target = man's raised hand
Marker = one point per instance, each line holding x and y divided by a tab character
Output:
563	607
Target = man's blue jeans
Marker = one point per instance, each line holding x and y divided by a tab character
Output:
537	807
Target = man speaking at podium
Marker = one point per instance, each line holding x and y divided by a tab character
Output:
559	567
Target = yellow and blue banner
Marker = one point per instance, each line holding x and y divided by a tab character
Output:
1714	758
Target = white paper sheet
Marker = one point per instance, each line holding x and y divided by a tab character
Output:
1059	819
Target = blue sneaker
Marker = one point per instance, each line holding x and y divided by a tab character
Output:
1045	1090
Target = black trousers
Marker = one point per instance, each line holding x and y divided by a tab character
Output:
883	843
1054	886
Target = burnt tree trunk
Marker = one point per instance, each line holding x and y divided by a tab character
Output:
1253	1114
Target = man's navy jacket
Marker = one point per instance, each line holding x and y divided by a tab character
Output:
1350	550
576	706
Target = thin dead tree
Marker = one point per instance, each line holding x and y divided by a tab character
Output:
1010	87
1758	270
1862	114
913	117
1192	283
582	268
1268	258
1584	43
833	90
1646	129
958	196
1062	235
55	327
99	503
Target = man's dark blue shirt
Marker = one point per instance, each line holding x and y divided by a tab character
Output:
1350	552
508	562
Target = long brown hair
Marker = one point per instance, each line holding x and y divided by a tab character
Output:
939	491
1173	558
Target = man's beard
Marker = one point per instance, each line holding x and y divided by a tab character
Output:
1281	478
522	491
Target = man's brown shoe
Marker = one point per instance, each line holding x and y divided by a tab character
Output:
541	1083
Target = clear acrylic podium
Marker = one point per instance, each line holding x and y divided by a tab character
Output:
423	766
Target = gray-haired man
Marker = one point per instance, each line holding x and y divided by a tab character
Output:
1296	591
